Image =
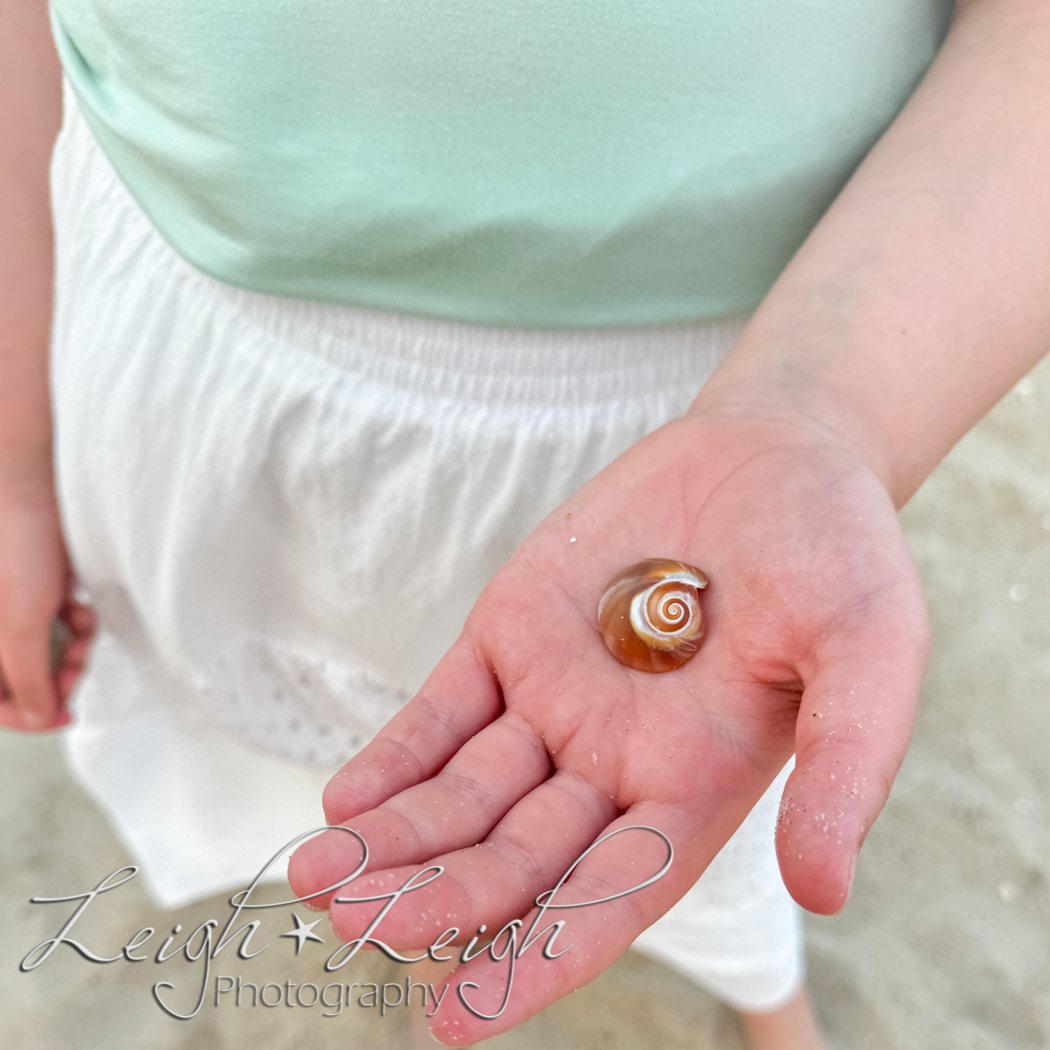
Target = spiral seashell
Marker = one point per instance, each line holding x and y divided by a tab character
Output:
650	615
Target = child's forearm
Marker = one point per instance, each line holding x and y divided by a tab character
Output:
30	112
924	293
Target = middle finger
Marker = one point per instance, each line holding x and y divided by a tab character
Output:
456	808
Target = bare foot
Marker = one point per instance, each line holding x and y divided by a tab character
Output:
789	1027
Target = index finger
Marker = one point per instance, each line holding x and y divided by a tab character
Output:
458	700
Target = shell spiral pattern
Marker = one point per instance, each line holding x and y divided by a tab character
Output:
650	616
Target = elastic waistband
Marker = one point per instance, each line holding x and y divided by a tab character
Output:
459	361
497	365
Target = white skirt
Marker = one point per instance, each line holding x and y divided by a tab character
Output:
283	512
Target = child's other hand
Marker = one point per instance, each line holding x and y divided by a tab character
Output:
36	587
530	739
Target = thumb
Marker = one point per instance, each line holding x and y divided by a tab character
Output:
32	700
852	732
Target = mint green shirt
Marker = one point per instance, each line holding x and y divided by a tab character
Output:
557	164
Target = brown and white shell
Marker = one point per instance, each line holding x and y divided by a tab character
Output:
650	616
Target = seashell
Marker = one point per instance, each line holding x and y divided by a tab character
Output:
650	615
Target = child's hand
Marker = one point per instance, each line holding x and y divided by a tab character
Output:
34	576
530	739
36	586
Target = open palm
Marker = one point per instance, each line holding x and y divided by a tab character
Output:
529	741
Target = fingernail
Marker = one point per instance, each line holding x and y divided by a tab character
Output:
435	1038
849	881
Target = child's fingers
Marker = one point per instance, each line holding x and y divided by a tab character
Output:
595	934
13	717
540	837
82	620
68	673
852	732
526	853
457	807
459	699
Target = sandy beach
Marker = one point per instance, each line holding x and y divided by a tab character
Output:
945	942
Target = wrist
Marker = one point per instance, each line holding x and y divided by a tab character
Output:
26	469
808	400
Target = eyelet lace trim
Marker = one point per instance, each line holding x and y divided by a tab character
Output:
294	703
